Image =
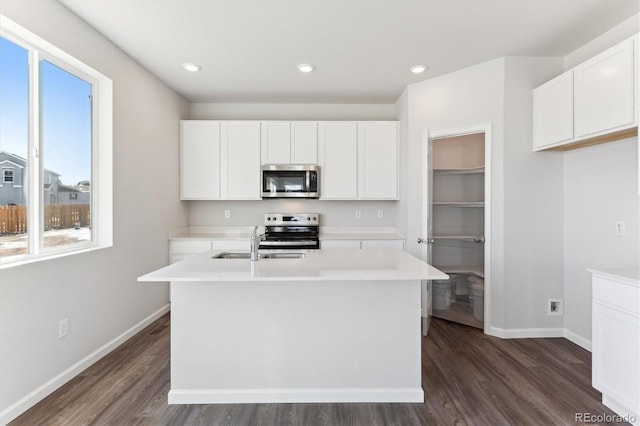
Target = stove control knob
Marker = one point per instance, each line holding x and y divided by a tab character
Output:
315	218
308	218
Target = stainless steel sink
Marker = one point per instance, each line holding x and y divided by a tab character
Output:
232	255
247	255
283	255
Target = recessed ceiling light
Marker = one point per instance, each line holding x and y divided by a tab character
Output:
191	67
306	67
418	69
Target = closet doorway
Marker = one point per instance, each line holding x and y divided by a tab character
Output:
457	223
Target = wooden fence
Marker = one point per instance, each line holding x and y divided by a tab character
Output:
13	219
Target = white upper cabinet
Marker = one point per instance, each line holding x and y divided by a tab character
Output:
553	112
220	160
276	142
338	160
285	142
604	91
199	160
240	160
378	160
304	142
595	102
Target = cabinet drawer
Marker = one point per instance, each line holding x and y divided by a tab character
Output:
616	295
195	246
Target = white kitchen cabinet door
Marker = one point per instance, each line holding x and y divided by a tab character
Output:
553	112
289	142
304	142
199	160
616	343
276	142
378	160
240	160
338	160
604	91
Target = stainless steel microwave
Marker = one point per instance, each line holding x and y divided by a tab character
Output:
290	181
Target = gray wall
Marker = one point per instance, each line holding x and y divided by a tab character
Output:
466	98
600	188
533	205
497	92
97	291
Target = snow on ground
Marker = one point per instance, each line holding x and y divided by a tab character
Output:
20	240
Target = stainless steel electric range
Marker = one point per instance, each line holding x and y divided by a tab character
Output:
291	231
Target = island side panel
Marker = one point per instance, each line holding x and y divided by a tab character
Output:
308	341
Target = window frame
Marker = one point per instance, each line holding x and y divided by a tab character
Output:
4	175
101	150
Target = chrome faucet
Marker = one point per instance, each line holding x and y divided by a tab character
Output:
255	243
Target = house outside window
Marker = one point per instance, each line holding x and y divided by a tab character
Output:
7	175
60	130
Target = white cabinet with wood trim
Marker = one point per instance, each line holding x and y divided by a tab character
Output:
199	160
595	102
289	142
338	160
604	92
240	160
378	160
553	112
616	340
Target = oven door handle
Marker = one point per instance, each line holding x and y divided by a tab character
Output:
286	243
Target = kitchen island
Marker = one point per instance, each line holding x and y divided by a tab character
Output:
333	326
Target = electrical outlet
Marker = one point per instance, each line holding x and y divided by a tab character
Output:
621	228
63	328
227	214
358	214
554	307
380	214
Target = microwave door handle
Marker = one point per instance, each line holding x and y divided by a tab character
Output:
308	181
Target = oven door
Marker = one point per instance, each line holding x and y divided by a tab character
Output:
290	237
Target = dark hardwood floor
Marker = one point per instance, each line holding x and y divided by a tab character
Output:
468	378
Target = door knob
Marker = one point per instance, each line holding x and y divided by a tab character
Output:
423	241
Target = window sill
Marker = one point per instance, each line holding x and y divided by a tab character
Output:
70	250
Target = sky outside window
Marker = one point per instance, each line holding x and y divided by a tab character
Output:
14	98
65	110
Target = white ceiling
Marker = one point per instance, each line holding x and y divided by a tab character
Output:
362	49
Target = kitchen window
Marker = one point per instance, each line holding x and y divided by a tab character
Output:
57	129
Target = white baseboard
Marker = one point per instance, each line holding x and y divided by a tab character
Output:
522	333
49	387
529	333
275	396
577	339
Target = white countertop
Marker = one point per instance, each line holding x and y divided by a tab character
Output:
317	265
326	233
627	275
